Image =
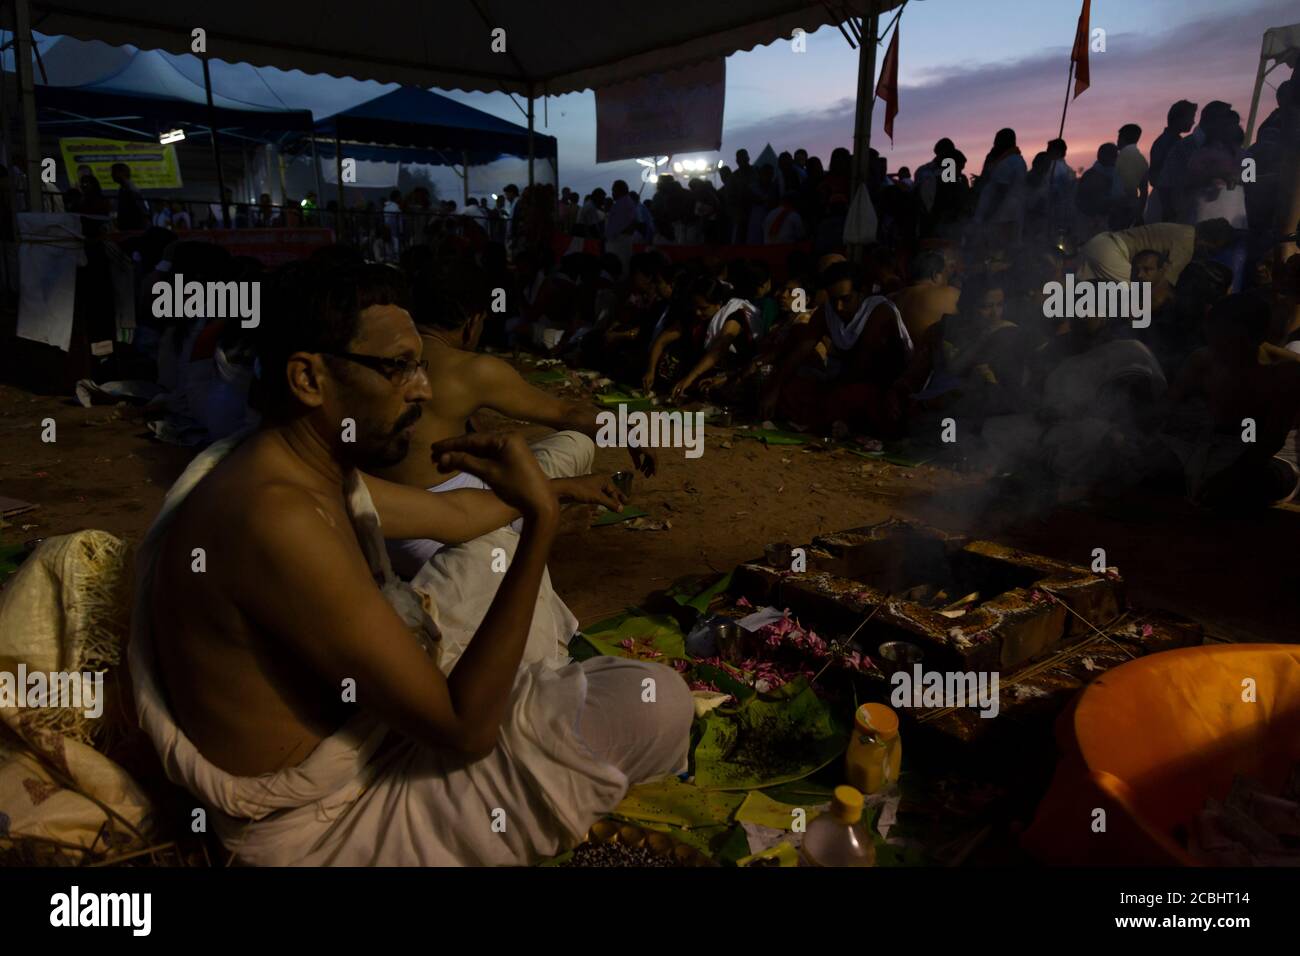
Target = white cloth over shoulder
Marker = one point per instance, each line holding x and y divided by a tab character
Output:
845	335
739	309
365	796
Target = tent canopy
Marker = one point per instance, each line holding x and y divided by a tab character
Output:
89	83
413	117
59	103
552	47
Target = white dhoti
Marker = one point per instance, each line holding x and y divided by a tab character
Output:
574	739
461	579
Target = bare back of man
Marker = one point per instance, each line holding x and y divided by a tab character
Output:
465	383
235	688
924	304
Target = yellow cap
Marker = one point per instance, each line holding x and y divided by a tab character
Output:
846	805
878	720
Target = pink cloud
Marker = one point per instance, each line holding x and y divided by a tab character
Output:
1134	81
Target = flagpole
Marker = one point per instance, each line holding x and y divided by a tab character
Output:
1051	172
1069	82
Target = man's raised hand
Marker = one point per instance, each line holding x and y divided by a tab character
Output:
505	463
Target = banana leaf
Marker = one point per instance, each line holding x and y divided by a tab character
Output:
774	436
617	517
768	742
686	591
678	804
724	681
548	377
654	637
889	457
634	403
763	810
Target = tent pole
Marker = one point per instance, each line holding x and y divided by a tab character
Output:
315	165
1259	84
216	148
338	169
866	100
464	177
27	93
530	134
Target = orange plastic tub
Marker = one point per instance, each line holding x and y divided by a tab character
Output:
1149	741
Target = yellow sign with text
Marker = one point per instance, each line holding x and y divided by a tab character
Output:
153	166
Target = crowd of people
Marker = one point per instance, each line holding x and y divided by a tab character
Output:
942	327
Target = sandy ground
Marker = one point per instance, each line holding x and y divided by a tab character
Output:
1240	578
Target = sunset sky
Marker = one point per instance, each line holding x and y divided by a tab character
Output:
968	67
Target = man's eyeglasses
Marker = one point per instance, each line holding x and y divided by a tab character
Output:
397	371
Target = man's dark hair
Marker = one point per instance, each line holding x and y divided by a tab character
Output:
1129	133
1182	109
839	271
928	264
310	307
1203	281
448	294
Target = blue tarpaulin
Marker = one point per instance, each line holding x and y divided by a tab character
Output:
412	117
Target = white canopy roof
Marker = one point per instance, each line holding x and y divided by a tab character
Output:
552	46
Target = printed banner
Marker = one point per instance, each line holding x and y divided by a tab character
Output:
663	114
274	247
153	166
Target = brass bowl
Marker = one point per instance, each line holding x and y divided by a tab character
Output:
660	844
602	831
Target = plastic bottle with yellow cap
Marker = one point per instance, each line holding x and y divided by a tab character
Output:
839	837
876	751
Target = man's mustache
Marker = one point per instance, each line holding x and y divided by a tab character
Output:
408	418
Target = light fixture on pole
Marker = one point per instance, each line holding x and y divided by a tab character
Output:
649	167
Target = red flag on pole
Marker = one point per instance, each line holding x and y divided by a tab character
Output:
887	85
1079	56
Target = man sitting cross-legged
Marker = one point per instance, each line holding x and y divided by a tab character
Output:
289	680
450	300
